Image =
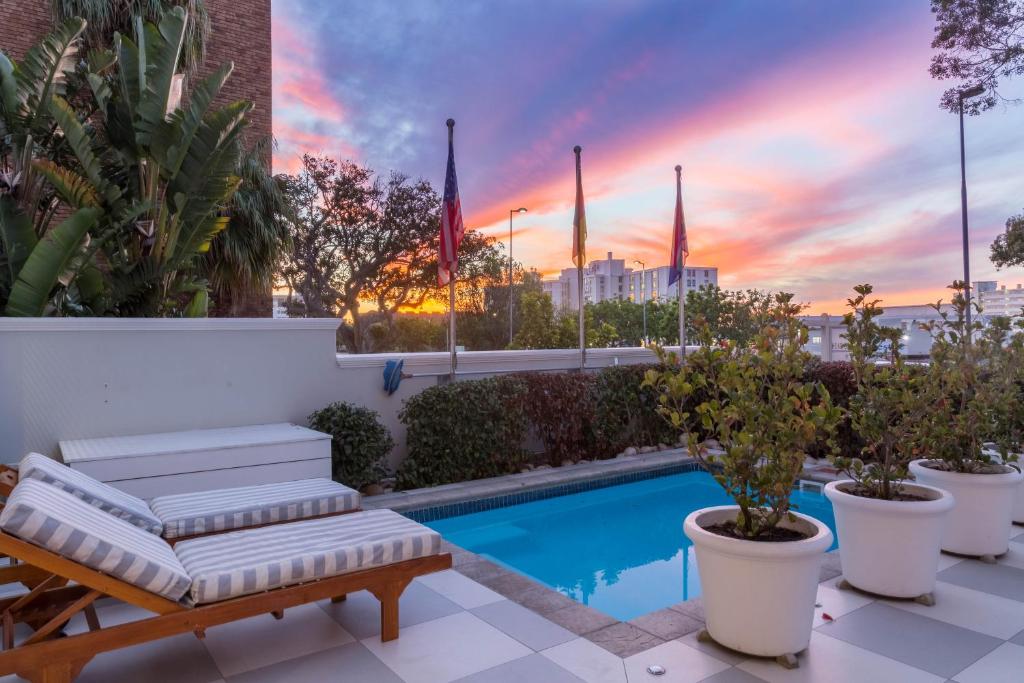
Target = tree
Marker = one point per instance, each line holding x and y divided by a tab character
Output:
359	239
730	315
536	323
981	42
104	18
1008	249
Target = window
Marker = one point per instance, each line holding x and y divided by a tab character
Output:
815	339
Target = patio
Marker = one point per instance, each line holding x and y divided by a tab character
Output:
458	629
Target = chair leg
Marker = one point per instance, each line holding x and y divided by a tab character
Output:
57	672
389	594
339	598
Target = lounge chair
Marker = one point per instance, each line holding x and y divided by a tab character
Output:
86	553
189	515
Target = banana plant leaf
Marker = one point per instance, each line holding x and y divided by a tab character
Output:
49	258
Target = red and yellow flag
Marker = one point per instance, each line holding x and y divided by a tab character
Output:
579	218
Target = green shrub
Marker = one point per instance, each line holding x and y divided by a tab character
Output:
625	412
560	408
840	381
464	430
359	442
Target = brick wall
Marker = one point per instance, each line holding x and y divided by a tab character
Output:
241	33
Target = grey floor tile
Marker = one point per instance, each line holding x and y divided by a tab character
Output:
997	579
481	569
511	585
543	600
580	619
351	663
668	623
712	648
180	659
530	669
928	644
733	675
360	613
1020	536
532	630
693	607
1018	639
624	640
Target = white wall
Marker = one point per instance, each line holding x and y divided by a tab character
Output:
66	378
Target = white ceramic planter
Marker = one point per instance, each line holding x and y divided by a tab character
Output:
758	597
891	547
980	522
1018	505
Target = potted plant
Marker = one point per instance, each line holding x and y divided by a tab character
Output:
970	396
890	530
1006	364
759	560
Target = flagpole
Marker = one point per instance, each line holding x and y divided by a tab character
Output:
579	271
682	279
451	280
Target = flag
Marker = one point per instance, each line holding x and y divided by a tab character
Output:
680	248
452	228
579	219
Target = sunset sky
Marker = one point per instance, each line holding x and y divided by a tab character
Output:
814	153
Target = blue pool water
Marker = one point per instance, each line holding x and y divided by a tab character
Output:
619	549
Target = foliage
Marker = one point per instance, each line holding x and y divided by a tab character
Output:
464	430
968	391
737	316
357	237
759	409
979	43
561	410
408	334
887	406
839	380
626	411
359	442
1008	248
244	257
156	174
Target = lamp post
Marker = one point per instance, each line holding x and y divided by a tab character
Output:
643	297
521	209
966	95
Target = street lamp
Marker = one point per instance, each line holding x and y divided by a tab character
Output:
521	209
966	95
643	298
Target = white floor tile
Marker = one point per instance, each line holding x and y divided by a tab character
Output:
588	661
1015	556
682	664
462	590
1005	664
836	603
971	609
446	649
260	641
829	660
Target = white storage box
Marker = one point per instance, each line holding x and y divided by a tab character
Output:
150	465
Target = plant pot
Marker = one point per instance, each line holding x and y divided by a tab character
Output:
758	596
891	547
1018	504
980	521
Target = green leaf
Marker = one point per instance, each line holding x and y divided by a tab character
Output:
81	144
75	190
199	305
162	51
51	256
41	74
8	89
171	141
19	237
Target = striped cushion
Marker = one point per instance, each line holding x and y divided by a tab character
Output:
118	503
244	562
198	513
70	527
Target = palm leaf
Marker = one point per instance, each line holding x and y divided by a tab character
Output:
81	144
170	142
18	235
75	190
41	74
51	256
163	51
8	89
199	306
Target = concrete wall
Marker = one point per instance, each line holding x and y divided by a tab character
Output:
65	378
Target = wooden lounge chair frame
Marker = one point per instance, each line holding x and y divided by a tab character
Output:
44	658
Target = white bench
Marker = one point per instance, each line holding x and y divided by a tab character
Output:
150	465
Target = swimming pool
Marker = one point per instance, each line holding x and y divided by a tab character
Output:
620	549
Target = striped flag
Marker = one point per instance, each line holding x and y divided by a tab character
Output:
680	248
452	228
579	219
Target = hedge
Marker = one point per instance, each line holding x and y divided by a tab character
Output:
359	442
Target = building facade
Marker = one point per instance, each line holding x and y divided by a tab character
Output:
609	279
996	300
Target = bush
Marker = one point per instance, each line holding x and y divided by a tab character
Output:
359	442
464	430
840	381
625	412
560	406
